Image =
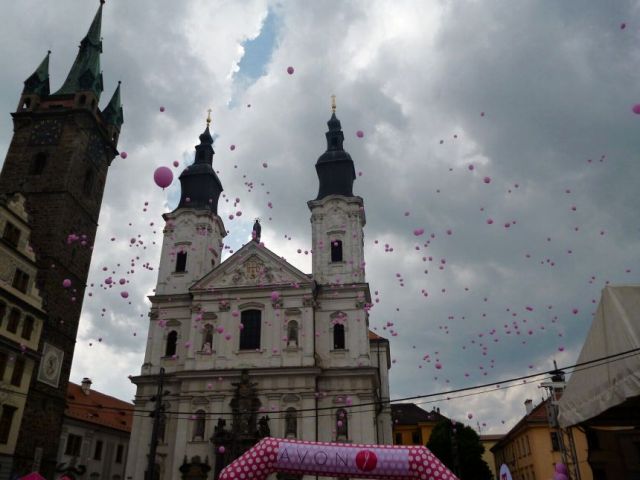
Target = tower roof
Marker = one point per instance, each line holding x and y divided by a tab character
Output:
38	82
335	168
201	187
85	72
113	111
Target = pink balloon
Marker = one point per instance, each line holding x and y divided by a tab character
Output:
123	155
232	148
66	283
176	163
163	177
162	109
290	70
124	294
487	179
636	109
359	134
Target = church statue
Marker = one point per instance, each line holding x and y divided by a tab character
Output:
257	230
206	348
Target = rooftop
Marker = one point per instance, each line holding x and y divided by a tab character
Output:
98	408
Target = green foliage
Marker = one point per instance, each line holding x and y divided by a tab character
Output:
470	465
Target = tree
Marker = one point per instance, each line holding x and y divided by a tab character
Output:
458	447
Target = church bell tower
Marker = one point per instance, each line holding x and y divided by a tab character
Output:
58	159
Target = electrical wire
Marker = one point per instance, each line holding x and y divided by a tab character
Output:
501	385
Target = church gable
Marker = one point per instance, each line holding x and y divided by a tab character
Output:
252	266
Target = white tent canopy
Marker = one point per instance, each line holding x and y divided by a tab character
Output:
615	329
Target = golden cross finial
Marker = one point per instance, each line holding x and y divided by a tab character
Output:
208	117
333	103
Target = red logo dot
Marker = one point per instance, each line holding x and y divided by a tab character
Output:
366	460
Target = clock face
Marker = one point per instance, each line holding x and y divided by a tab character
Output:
46	132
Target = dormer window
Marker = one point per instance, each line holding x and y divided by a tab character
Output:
336	251
181	262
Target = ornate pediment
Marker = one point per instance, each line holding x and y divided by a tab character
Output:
252	266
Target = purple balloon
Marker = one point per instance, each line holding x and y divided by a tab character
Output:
562	468
163	176
636	109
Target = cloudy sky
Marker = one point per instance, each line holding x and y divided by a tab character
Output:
533	97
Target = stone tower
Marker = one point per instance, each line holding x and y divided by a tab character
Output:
58	159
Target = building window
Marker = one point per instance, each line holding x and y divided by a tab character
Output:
3	311
97	454
26	104
172	343
198	426
18	370
20	281
27	327
14	320
342	425
292	333
38	163
181	262
250	333
338	336
74	442
555	441
119	453
415	438
5	422
398	438
11	234
291	423
3	365
336	251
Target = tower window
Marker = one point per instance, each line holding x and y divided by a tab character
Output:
14	320
83	99
250	333
172	343
26	104
38	164
87	185
338	337
292	333
181	262
18	370
336	251
20	280
11	234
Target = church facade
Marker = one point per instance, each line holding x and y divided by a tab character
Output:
251	346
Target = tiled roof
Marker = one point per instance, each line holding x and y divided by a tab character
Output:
98	408
412	414
375	336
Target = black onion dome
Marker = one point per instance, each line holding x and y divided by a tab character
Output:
335	168
201	187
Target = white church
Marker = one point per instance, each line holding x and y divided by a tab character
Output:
251	346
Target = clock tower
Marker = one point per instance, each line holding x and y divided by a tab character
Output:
61	149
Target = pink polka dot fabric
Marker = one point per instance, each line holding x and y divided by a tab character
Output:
389	462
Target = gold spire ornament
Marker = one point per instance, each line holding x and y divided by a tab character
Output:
208	118
333	103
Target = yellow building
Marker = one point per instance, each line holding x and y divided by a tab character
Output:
412	425
532	448
21	319
488	441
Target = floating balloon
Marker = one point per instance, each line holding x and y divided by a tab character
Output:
123	155
232	148
176	163
162	109
359	134
66	283
636	109
163	177
290	70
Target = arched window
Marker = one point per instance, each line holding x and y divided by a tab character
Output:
14	320
172	343
198	425
87	185
338	336
26	104
181	262
292	333
207	338
342	425
250	333
336	251
291	423
38	163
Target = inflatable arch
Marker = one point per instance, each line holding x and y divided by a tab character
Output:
396	462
